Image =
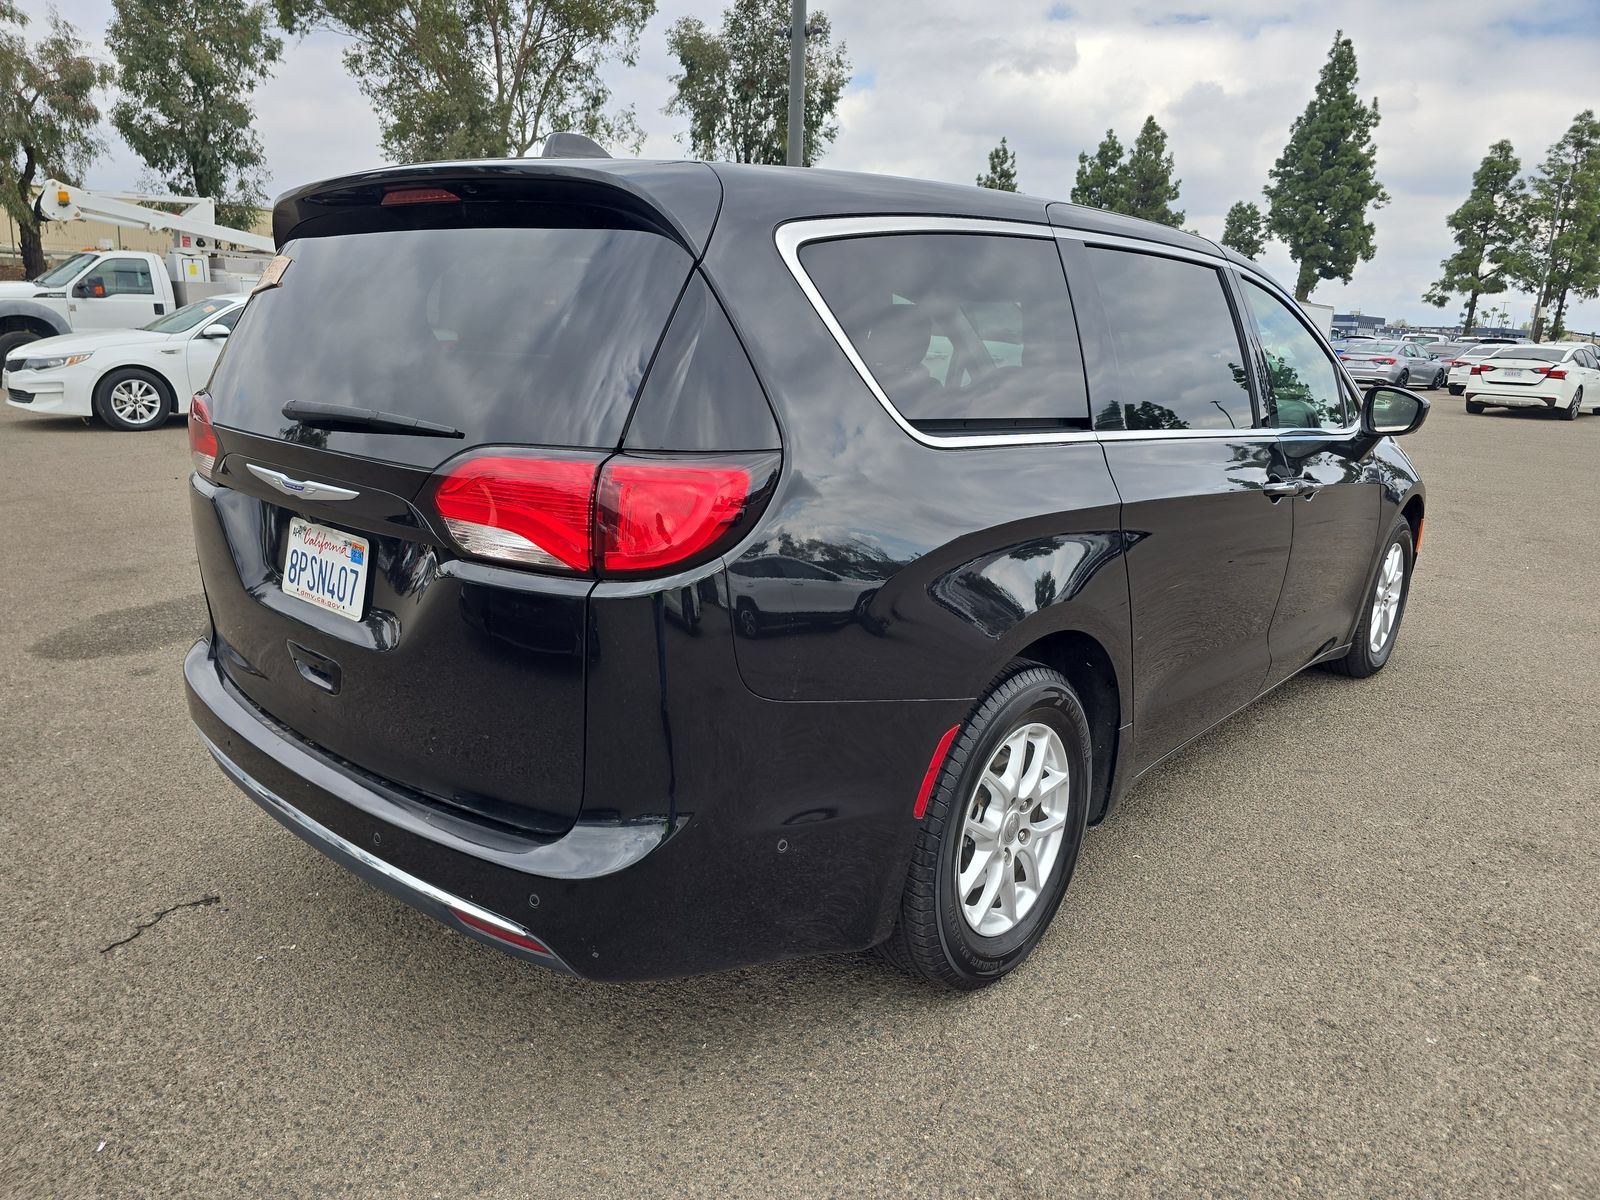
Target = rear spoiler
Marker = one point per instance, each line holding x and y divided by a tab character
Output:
680	199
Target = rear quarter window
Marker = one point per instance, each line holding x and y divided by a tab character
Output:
965	333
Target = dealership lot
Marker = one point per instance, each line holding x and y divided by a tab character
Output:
1346	944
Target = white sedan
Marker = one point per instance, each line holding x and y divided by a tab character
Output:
129	378
1561	376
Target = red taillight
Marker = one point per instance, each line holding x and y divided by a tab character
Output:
202	436
1480	369
570	512
1388	362
418	195
536	512
1551	372
654	514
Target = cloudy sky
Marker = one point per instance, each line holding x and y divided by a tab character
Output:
938	82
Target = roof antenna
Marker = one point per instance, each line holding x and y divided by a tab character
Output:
571	145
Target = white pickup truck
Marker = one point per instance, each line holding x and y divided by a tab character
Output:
94	290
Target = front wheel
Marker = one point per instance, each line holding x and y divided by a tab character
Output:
1001	835
1386	605
133	399
17	337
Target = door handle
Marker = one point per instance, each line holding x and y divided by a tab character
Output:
1279	488
1309	488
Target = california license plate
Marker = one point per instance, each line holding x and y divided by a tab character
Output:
326	567
1512	372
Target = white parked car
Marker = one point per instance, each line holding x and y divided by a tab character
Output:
1561	376
1462	362
129	378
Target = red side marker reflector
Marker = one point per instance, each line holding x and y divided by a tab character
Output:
934	764
499	934
419	195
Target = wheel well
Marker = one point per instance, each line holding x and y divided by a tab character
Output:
15	324
1412	512
1087	666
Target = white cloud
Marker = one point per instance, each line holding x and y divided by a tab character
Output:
940	81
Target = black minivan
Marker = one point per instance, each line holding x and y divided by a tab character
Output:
651	568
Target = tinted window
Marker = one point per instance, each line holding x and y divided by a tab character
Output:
512	335
1178	356
702	393
963	332
1538	354
1303	389
191	315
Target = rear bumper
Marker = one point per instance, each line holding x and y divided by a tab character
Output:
746	880
1519	400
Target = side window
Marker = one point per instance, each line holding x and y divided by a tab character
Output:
1302	382
1177	348
229	318
965	333
127	277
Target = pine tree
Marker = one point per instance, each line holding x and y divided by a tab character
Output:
1002	172
1486	228
1100	179
1324	181
1148	188
1558	256
1244	229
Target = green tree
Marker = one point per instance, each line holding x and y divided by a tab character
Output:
1324	181
734	85
482	78
186	72
1486	229
1148	188
47	118
1100	178
1244	229
1558	256
1002	172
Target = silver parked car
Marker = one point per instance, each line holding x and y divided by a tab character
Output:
1404	364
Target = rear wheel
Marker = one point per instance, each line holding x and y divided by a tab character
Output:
133	399
1474	407
1386	605
1405	378
1456	389
1573	409
1001	835
1438	380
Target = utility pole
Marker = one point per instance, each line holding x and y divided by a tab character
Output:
797	83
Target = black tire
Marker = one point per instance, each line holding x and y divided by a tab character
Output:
1474	407
103	399
931	938
1457	388
1438	381
1362	660
1570	413
1405	378
17	337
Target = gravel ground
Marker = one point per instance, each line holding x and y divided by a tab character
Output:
1345	945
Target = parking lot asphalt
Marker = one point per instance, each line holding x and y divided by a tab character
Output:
1346	945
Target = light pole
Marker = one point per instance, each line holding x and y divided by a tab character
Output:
797	83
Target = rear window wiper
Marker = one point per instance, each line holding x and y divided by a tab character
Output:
363	420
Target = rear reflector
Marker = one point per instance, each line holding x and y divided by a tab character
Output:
202	436
654	514
535	512
510	937
419	195
934	765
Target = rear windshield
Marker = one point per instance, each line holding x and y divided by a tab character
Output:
512	335
1538	354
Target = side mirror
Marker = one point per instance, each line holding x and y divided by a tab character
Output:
1392	412
219	330
92	286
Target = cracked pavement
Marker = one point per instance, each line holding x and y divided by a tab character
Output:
1346	945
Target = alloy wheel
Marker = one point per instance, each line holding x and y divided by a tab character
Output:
136	401
1013	828
1386	598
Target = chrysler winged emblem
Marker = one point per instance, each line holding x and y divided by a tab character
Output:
305	489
